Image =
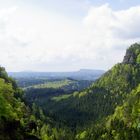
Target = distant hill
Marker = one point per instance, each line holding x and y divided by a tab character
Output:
83	74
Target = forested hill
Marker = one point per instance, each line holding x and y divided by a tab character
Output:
124	124
84	109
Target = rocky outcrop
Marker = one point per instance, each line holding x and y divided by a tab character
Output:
132	54
129	58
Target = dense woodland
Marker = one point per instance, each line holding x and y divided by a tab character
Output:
107	109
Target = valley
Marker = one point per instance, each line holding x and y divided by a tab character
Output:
86	106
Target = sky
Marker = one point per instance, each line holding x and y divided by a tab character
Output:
66	35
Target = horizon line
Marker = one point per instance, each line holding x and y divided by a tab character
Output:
31	71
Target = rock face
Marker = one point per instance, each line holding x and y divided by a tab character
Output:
129	58
132	54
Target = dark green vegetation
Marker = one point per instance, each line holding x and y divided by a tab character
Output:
124	124
42	93
15	122
109	109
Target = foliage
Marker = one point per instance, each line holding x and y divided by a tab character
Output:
124	124
13	112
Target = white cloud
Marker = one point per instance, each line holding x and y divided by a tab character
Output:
36	39
112	31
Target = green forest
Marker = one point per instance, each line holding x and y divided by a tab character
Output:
68	109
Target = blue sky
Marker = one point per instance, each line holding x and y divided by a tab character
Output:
66	35
72	6
115	4
78	8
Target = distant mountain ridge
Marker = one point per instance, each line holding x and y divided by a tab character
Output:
82	74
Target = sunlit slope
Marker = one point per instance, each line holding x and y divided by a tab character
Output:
124	124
